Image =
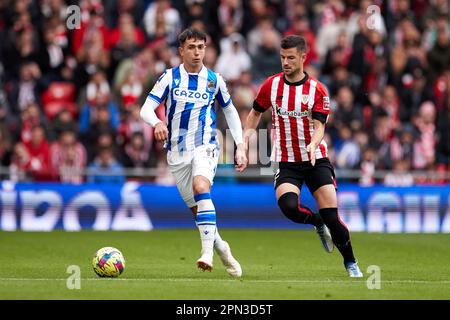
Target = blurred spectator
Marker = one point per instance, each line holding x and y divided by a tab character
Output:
136	155
348	151
25	91
5	147
402	146
63	121
266	61
125	41
255	36
102	113
39	157
235	56
130	91
133	124
230	14
339	55
97	88
414	93
439	56
30	118
105	168
68	158
368	165
162	21
348	112
443	144
300	26
424	148
400	176
114	8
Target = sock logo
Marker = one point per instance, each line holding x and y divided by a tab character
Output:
206	232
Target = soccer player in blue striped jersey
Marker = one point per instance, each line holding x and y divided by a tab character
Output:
189	92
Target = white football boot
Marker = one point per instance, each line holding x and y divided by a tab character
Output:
353	270
205	262
325	237
232	266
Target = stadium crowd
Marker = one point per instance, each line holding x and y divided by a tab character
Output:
70	98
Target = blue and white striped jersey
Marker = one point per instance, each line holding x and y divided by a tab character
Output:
190	110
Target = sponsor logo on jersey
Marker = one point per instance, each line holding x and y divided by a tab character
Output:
190	95
292	113
177	82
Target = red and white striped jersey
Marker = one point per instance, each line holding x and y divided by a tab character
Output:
294	106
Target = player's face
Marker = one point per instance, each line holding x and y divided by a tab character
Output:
192	52
292	61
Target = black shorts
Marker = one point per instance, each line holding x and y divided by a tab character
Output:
298	172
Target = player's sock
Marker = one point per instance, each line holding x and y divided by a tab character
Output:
339	233
288	204
219	244
206	221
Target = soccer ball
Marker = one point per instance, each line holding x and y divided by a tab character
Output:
108	262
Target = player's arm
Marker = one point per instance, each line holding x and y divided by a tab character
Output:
320	112
319	132
155	98
234	123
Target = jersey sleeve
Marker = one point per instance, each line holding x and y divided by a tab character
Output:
262	101
161	88
223	97
321	107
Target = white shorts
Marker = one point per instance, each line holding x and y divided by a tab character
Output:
184	166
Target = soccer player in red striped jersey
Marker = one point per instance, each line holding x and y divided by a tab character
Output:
300	106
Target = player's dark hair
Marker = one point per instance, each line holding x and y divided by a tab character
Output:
191	33
294	42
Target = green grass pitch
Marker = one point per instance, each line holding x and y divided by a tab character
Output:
277	264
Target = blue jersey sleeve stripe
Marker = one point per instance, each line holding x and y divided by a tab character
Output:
175	77
153	97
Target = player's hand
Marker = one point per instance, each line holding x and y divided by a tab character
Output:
241	158
311	149
161	132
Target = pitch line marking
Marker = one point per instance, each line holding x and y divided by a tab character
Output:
231	280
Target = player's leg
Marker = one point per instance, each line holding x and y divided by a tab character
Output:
204	168
288	196
288	200
205	220
322	185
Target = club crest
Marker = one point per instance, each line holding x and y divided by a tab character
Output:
305	99
211	86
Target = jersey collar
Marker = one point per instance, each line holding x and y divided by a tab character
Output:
298	83
201	70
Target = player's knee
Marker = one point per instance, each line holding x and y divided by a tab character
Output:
329	216
288	204
200	186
